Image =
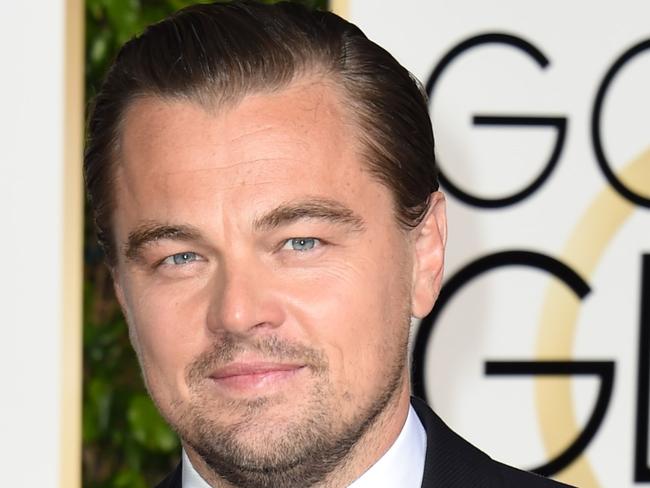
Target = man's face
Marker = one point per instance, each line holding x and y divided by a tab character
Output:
266	282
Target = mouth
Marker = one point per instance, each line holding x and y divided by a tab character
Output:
254	377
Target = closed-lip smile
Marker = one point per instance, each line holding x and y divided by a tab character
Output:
245	376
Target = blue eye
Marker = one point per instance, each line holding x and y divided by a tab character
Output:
301	243
181	258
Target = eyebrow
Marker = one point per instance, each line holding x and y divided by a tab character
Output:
285	214
316	208
150	232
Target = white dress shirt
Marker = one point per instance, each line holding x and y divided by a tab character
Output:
402	466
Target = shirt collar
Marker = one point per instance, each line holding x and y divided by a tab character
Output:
402	465
191	478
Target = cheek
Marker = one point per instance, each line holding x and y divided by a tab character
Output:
165	328
358	313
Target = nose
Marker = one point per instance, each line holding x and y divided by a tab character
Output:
245	299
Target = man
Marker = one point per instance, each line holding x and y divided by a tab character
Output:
264	186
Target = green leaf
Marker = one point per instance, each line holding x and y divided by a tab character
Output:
98	48
99	400
129	478
148	427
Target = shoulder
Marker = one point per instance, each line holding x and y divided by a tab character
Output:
173	480
451	461
514	477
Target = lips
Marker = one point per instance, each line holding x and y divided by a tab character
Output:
254	375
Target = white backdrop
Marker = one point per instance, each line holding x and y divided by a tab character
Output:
40	209
526	69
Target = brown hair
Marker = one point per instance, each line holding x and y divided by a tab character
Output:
222	52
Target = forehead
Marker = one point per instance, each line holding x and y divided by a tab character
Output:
272	146
313	107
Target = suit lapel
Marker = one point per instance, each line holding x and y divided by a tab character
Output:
174	480
450	460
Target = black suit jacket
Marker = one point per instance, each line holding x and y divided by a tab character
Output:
451	462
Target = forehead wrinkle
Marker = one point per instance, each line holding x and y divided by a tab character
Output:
209	179
226	167
250	133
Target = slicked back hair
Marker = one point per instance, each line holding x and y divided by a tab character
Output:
217	54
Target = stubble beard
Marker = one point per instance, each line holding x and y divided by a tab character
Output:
310	447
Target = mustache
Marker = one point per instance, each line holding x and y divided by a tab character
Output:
270	348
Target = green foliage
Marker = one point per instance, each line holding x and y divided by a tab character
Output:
126	444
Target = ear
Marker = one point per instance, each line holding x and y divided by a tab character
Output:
117	287
121	299
429	255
